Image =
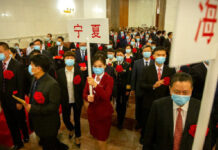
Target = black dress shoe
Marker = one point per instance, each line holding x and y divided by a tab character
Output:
17	147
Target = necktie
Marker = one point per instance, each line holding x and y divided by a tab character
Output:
178	130
3	68
159	73
146	64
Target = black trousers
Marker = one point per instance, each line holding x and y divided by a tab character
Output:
139	109
145	115
52	143
16	121
66	112
121	102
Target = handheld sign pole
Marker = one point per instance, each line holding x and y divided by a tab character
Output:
89	64
206	105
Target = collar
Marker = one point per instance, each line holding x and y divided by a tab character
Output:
69	71
42	77
184	107
147	61
7	62
100	76
160	67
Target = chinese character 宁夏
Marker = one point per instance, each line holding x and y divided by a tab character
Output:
95	30
208	21
78	29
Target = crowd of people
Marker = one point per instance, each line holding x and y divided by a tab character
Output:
135	62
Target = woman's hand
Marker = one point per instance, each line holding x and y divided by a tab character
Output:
91	98
91	82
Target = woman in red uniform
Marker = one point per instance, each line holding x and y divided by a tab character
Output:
100	109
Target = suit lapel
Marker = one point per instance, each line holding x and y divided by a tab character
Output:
154	72
164	73
10	65
169	110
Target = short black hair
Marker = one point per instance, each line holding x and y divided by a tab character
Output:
182	77
31	44
38	40
169	33
13	50
163	32
111	50
160	48
4	45
69	53
99	56
41	61
120	50
50	34
146	46
61	37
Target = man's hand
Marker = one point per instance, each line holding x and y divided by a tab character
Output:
91	98
91	81
19	106
83	68
158	84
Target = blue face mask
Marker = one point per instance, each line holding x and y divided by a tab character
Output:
147	54
149	41
47	39
69	62
180	99
109	46
2	56
120	58
110	56
11	55
30	70
132	43
58	43
36	47
137	40
98	71
128	50
160	60
17	47
153	47
83	48
127	37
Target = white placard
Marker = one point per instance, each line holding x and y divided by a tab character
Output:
97	30
196	32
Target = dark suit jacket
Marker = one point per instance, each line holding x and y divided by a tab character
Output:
45	117
198	73
148	79
167	44
54	50
16	83
78	89
137	74
162	39
159	133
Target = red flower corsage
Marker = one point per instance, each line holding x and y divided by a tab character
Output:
140	46
58	57
100	48
119	68
134	50
15	92
48	44
118	41
152	58
123	37
167	81
61	52
192	130
128	60
86	58
39	98
82	64
77	45
77	80
8	74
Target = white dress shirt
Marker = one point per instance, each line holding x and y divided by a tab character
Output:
7	63
183	113
69	77
157	67
108	61
148	62
100	78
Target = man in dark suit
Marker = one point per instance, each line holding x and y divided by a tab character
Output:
135	81
162	37
153	82
122	83
58	50
48	41
198	73
11	80
38	46
167	45
44	104
71	83
172	120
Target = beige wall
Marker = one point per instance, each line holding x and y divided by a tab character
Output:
142	12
